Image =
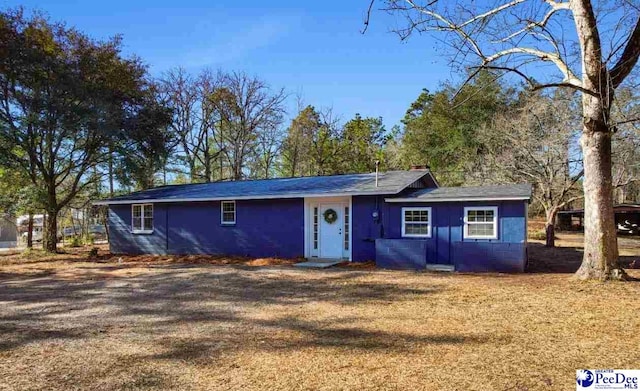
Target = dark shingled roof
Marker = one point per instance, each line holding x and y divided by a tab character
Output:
391	182
491	192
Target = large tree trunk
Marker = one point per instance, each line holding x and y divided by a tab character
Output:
50	234
193	175
30	231
237	169
111	180
550	228
104	215
207	167
164	173
44	224
600	242
600	259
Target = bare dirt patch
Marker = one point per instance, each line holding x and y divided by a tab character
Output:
72	324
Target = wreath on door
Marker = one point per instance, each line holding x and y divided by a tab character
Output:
330	216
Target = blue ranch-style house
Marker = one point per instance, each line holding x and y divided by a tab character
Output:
400	219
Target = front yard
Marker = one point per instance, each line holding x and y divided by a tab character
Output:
67	323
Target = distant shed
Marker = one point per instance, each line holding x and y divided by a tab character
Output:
627	219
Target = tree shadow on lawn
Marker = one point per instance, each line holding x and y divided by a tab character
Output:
155	302
544	259
292	333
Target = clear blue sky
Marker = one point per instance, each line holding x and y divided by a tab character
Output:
311	48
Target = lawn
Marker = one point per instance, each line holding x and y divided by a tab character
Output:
160	323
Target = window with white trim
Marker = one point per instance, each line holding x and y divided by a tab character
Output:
228	212
416	222
142	218
346	228
481	222
315	227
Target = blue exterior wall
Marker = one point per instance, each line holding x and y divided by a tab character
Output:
401	254
275	227
263	228
122	241
366	229
446	245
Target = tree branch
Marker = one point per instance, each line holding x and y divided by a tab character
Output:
628	59
532	83
569	76
555	7
367	17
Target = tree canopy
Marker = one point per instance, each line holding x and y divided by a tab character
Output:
63	99
441	128
76	114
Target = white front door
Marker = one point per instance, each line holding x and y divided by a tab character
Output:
331	233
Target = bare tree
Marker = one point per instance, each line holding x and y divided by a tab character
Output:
207	153
533	143
325	144
195	119
626	147
296	148
180	94
591	47
313	144
269	144
246	106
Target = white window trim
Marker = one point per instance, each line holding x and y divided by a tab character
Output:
421	208
467	223
141	231
222	203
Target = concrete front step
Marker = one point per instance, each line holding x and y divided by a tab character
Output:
434	267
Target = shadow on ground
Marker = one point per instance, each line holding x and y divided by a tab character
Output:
44	306
113	326
544	259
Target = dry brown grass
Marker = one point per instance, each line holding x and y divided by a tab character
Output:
81	254
66	323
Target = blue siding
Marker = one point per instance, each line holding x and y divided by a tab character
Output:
365	228
489	256
447	246
263	228
401	254
121	241
276	228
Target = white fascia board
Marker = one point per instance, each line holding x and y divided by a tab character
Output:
460	199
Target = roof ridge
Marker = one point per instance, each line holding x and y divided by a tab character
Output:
391	182
268	179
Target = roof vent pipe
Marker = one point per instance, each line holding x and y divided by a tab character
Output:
377	165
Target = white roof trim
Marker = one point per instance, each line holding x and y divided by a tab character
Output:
261	197
458	199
